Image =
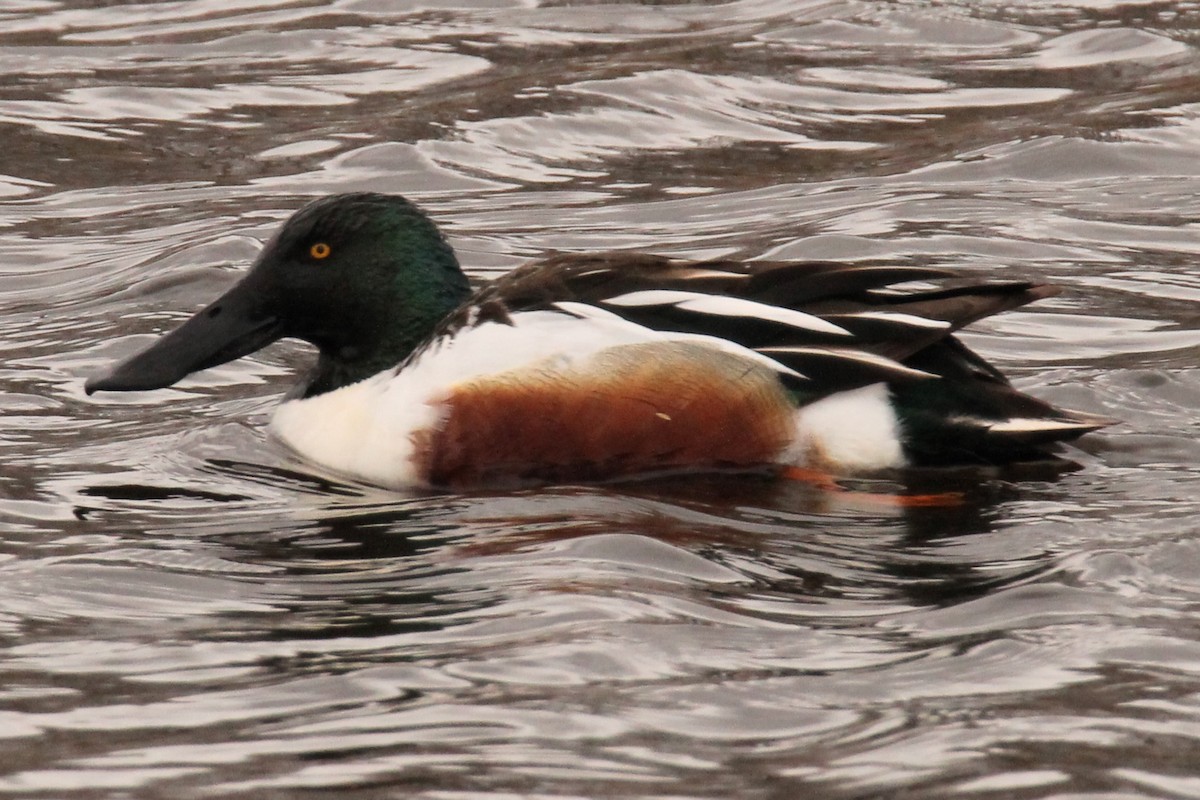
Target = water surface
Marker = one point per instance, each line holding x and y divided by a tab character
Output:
187	611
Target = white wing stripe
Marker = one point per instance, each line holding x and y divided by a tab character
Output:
903	319
850	355
726	307
736	349
588	311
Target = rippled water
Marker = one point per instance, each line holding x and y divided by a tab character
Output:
188	612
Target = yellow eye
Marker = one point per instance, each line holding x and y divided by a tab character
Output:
320	250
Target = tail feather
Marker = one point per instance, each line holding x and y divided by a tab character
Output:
975	415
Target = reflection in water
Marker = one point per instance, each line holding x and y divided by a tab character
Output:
187	611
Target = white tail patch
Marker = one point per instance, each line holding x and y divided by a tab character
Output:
847	432
727	307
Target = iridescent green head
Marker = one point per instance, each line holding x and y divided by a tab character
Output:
363	277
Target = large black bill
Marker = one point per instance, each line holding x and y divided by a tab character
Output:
234	325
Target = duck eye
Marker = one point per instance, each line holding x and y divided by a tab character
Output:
320	250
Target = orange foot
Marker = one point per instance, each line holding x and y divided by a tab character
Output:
826	483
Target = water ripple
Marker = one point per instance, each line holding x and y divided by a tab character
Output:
188	610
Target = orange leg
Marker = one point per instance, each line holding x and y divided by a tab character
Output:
826	483
813	477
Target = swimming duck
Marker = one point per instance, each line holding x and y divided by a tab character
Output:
590	367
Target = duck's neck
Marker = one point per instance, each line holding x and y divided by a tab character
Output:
333	372
426	294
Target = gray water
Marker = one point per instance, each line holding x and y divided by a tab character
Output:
186	611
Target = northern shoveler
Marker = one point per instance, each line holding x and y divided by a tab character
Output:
587	367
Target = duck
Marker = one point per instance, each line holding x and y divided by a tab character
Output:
584	367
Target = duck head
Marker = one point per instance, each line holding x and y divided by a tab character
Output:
363	277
